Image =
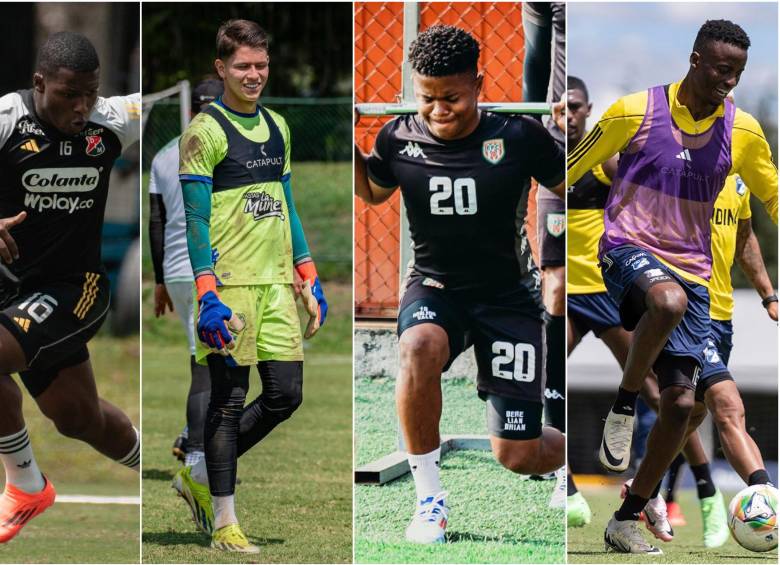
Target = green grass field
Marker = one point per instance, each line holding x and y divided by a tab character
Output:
495	516
586	545
85	533
295	498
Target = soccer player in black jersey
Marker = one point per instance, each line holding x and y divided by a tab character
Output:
465	176
58	143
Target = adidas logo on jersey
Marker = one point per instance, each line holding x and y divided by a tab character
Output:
31	145
412	150
684	155
23	323
424	314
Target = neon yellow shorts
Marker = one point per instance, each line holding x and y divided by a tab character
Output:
272	329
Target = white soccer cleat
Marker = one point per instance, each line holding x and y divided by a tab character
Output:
623	536
429	522
558	498
615	450
656	517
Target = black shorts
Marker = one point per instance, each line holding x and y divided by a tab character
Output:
506	328
53	323
551	227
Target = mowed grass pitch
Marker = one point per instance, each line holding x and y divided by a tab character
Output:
85	533
495	515
586	545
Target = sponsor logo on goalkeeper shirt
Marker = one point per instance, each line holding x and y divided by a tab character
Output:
263	205
75	179
265	160
70	204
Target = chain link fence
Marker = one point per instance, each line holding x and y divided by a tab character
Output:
382	32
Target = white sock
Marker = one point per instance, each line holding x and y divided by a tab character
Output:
425	470
21	470
192	457
224	511
199	472
133	458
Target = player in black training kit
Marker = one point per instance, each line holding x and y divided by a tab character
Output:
465	177
58	143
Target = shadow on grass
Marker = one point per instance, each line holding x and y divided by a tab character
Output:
157	474
196	538
454	537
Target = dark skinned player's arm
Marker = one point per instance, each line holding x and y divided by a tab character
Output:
367	190
748	256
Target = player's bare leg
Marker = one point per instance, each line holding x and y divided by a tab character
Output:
71	401
534	456
728	412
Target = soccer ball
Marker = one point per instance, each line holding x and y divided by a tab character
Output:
753	518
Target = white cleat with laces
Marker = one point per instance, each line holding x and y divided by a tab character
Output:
558	498
615	450
656	516
429	522
623	536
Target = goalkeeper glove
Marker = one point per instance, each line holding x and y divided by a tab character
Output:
215	320
313	297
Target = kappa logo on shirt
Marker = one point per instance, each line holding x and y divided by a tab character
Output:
412	150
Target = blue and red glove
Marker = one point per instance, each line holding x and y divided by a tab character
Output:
214	317
313	297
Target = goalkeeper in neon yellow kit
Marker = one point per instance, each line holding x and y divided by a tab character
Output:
245	242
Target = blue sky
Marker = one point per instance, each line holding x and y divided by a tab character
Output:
618	48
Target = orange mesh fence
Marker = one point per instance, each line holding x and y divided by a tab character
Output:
379	55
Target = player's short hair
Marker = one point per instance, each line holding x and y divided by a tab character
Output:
444	50
721	30
237	33
67	50
575	83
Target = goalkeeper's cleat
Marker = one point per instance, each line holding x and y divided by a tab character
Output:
577	511
197	496
615	450
231	538
558	498
714	520
179	449
18	507
623	536
676	516
429	522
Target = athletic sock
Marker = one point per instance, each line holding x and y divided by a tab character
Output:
760	477
425	470
656	490
199	472
21	470
632	506
704	485
555	388
133	458
671	478
192	457
571	488
224	511
625	402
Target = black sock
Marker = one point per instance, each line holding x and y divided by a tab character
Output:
555	389
656	490
704	484
571	488
625	402
671	479
760	477
197	404
631	508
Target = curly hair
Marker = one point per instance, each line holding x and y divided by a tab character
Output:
67	50
444	50
721	30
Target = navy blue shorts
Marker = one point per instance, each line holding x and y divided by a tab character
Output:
592	312
622	268
718	350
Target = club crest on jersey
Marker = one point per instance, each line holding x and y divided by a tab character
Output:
95	145
741	188
556	224
263	205
493	150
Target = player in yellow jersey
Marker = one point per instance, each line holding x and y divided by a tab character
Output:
677	144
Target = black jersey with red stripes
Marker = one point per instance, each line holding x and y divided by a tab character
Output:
61	181
466	199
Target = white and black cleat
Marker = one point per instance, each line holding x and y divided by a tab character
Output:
623	536
615	450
